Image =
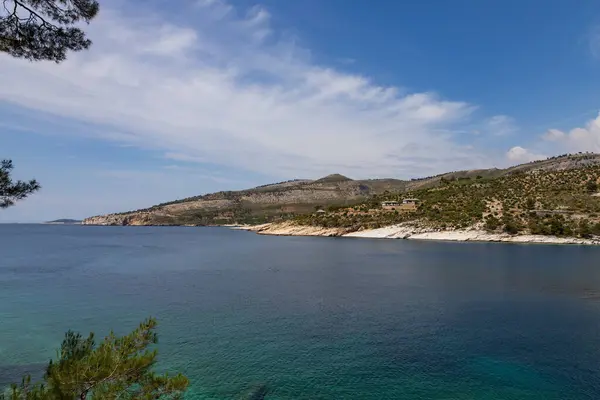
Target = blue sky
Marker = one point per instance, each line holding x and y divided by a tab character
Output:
216	95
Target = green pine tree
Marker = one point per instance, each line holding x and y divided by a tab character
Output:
117	368
11	191
591	186
45	29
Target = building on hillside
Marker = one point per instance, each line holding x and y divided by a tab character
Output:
389	205
410	204
407	205
410	201
321	212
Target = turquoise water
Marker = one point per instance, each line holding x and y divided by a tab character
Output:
312	318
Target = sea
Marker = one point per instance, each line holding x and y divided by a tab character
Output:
311	318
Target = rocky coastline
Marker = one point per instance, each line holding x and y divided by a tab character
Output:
413	232
406	231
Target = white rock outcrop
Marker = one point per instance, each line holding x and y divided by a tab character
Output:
411	232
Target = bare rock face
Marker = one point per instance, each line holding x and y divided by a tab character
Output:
116	220
135	218
103	220
292	229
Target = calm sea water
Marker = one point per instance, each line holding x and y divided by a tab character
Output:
312	318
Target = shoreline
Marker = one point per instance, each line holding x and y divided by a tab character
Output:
411	232
400	231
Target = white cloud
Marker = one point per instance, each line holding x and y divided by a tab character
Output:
518	155
171	42
553	135
501	125
228	89
577	139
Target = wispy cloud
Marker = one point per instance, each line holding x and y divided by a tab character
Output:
501	125
346	60
184	157
226	88
168	173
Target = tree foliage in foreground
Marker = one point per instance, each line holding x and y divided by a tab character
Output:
117	368
44	29
10	191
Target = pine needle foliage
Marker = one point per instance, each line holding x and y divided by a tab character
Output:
118	368
13	191
44	29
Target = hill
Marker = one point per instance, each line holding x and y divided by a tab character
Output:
553	197
452	194
257	205
333	178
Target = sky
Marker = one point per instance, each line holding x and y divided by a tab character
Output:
179	100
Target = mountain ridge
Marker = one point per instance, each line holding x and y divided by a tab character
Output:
288	199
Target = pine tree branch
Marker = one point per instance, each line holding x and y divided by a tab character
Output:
34	14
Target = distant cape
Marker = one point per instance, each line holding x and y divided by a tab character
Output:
65	221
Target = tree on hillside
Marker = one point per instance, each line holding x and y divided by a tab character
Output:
117	368
530	203
44	29
591	186
10	191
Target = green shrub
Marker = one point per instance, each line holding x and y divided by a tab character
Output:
584	229
530	204
512	228
492	223
591	186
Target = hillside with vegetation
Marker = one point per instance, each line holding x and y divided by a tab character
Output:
557	196
261	204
